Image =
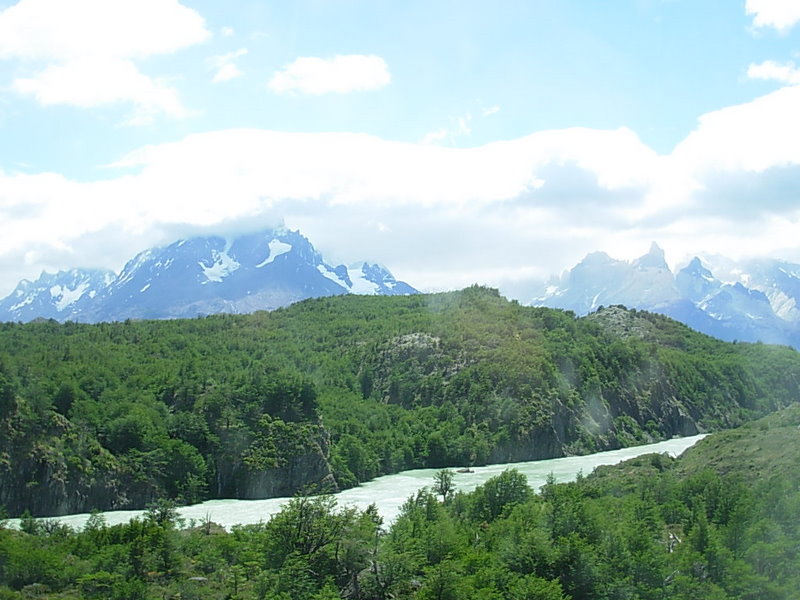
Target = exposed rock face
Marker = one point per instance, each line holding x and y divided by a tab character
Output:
539	444
44	483
602	425
306	469
309	473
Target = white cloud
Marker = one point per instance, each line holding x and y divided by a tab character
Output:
340	74
227	31
778	14
225	66
59	30
770	70
76	83
227	72
431	194
88	49
751	137
492	110
743	165
440	217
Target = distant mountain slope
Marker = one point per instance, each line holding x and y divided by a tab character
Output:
198	276
59	296
755	300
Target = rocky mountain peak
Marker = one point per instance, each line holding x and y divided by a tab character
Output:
199	276
753	300
654	259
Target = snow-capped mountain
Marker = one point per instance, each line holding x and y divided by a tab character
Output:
778	280
755	300
599	280
199	276
59	296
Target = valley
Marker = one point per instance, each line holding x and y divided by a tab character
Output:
335	391
699	526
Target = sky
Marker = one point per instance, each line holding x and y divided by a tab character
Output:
454	141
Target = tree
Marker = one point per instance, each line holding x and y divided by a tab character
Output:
505	490
8	398
305	526
443	484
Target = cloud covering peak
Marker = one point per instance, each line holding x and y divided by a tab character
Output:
464	208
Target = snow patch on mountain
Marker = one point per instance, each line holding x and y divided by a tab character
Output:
784	306
54	295
222	266
594	303
326	271
63	296
133	266
361	285
276	248
24	302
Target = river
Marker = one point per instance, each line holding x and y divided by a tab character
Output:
389	492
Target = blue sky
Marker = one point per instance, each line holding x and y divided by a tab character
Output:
454	141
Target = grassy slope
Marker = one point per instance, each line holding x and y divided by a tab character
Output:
760	450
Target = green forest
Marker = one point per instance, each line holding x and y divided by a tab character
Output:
719	523
330	392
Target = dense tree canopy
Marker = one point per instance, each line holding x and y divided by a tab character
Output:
333	391
701	526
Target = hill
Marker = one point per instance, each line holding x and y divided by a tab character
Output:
332	391
764	450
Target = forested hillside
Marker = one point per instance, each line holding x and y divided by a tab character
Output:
703	526
334	391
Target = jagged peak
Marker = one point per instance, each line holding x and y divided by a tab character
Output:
695	263
48	278
368	267
170	280
596	258
654	259
697	268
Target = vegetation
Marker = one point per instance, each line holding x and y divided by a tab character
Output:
334	391
651	528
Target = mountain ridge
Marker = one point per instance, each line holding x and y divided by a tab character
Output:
755	300
198	276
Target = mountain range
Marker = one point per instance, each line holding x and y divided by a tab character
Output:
755	300
198	276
